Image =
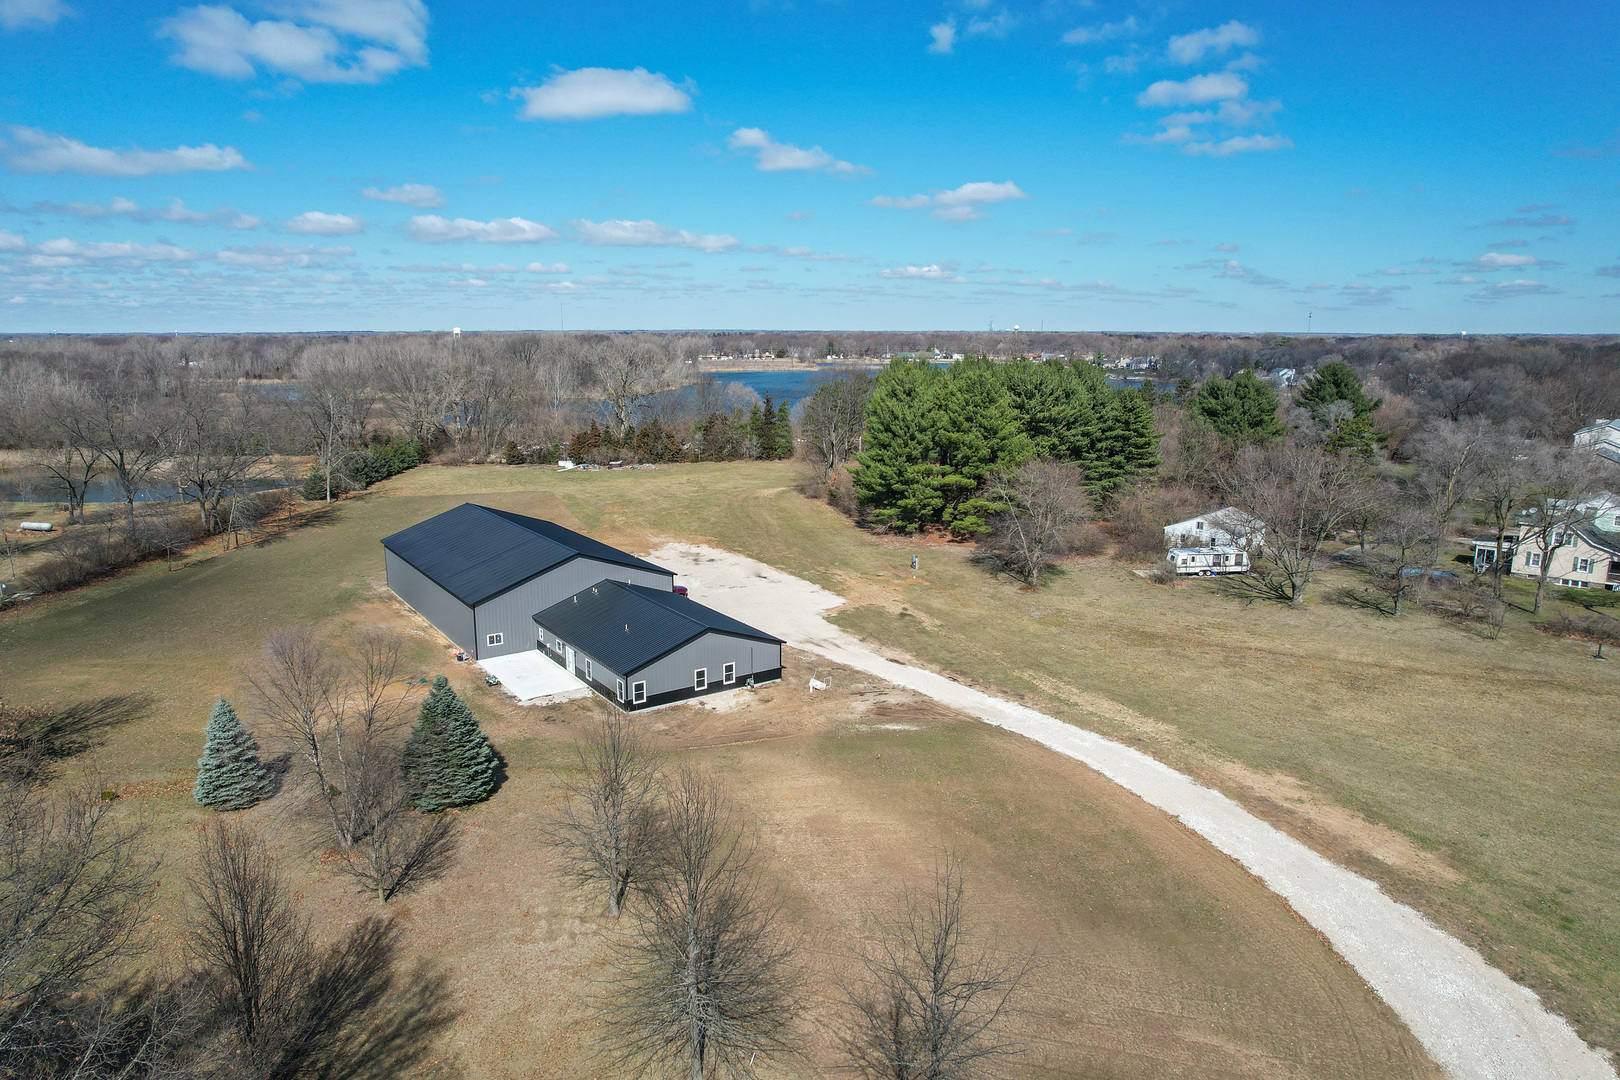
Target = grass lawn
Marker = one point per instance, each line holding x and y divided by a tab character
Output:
1477	778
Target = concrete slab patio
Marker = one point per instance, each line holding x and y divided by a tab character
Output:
534	679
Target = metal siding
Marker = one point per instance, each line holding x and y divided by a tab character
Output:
512	613
452	618
713	651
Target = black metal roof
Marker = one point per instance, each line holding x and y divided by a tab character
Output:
477	552
627	627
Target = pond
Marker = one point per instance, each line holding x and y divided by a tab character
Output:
798	382
34	485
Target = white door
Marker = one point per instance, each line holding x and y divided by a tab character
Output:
568	658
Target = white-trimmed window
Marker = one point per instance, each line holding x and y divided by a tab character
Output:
700	679
1584	566
1532	558
728	674
638	693
621	691
587	669
494	639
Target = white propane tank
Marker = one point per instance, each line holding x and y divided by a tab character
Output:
36	526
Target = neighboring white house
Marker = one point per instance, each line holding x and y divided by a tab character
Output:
1603	437
1229	527
1582	559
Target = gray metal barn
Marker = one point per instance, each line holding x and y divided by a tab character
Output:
640	647
479	574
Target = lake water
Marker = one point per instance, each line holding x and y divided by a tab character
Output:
29	485
797	383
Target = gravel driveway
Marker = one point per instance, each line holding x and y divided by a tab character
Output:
1473	1020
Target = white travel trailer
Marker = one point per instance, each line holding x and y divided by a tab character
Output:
1208	561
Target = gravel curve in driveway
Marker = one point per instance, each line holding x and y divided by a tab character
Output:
1473	1020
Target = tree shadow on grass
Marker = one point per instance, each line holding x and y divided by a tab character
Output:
1257	585
362	1017
35	739
1364	599
314	519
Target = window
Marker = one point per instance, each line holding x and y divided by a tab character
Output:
621	691
728	674
1584	566
495	639
587	669
638	693
1198	526
700	679
1574	583
1532	558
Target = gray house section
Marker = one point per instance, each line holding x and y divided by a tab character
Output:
453	618
510	616
480	574
711	653
641	647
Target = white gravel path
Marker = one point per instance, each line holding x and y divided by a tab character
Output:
1472	1019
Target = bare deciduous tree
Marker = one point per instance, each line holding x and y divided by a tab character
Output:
245	933
1408	536
834	419
75	881
393	847
1045	500
335	395
1302	495
1509	464
704	978
628	371
285	1007
298	687
610	826
930	1002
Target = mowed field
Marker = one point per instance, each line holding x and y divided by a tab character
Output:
1477	778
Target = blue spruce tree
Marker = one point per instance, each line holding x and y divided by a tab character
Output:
230	775
447	761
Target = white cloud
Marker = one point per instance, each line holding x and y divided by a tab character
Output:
1198	90
322	41
1226	247
176	212
620	233
773	156
922	273
1501	260
281	257
29	150
944	37
421	196
10	241
1191	48
1239	144
1086	35
433	229
1506	290
21	14
542	268
316	223
997	25
592	93
65	252
957	204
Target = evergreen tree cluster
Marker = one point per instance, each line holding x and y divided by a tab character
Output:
934	436
230	775
378	458
447	761
1241	409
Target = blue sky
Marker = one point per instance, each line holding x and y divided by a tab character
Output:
400	164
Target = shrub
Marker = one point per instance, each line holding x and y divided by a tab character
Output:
841	493
83	557
1137	517
1087	538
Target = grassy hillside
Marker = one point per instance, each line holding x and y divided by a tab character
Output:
1476	777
